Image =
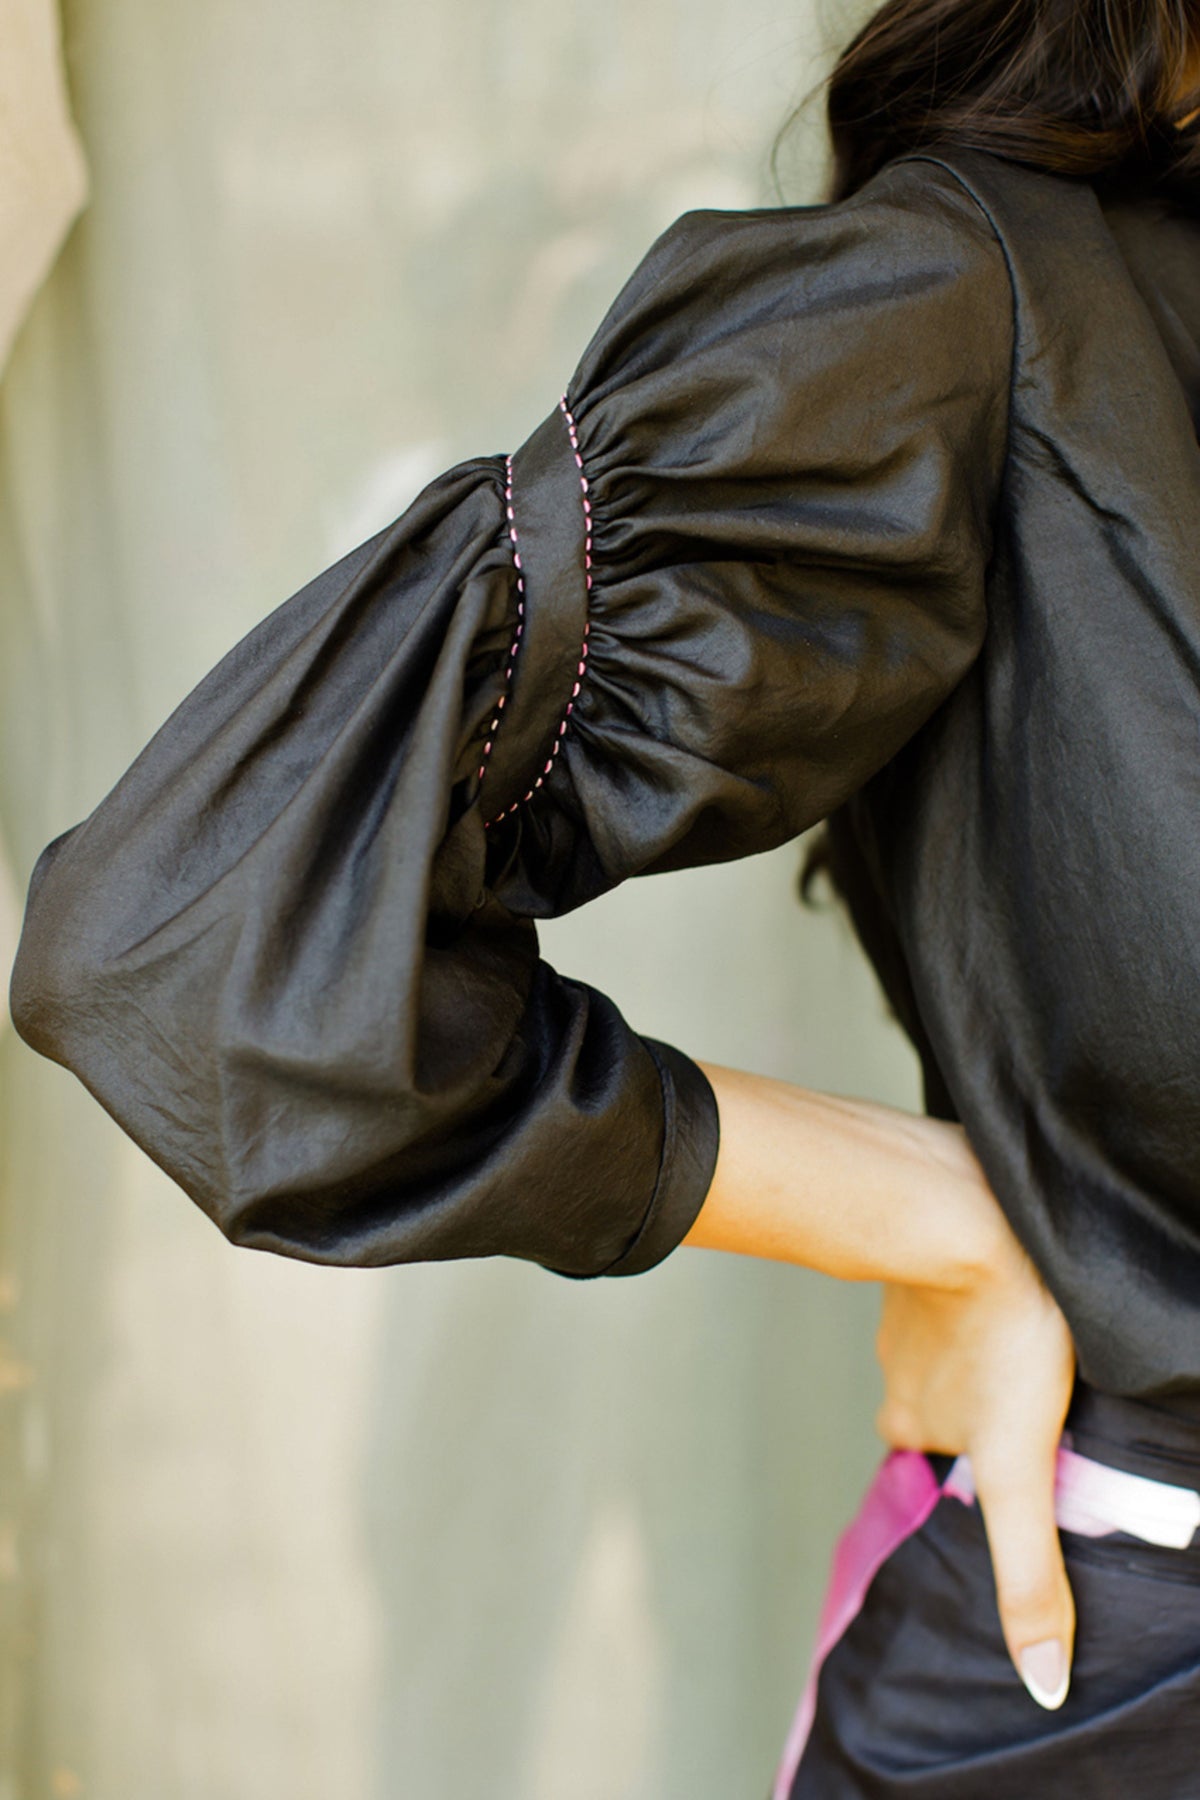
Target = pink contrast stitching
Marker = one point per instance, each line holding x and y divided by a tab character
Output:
582	665
512	652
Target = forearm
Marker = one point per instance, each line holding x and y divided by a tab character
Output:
851	1187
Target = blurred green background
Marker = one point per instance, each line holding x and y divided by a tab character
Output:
270	1531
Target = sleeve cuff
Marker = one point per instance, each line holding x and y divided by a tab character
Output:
691	1136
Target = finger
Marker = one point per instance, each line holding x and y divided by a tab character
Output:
897	1426
1037	1610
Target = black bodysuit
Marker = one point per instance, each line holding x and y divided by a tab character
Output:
884	510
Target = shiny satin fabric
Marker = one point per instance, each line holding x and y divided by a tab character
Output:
288	953
1024	868
890	517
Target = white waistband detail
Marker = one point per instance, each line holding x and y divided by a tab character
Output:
1091	1498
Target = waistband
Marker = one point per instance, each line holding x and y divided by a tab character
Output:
1124	1464
1094	1499
1157	1438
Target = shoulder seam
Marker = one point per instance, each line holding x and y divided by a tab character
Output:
1014	360
981	205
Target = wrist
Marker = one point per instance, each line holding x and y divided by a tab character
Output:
854	1188
951	1234
978	1233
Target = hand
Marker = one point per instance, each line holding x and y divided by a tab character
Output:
976	1355
987	1369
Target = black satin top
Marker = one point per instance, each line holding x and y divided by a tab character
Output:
883	511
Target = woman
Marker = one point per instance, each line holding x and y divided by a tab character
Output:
880	511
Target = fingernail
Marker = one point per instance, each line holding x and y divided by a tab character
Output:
1044	1672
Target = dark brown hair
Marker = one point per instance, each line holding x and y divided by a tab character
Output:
1101	90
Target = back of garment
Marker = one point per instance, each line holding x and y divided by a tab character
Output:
1028	869
883	511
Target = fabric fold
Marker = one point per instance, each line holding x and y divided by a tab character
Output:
294	952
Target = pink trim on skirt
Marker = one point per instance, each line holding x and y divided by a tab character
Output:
1089	1497
901	1497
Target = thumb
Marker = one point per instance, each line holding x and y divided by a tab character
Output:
1037	1611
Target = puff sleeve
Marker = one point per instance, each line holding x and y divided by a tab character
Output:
294	951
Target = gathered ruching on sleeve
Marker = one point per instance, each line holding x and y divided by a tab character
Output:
793	426
741	560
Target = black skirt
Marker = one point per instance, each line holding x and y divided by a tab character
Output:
912	1691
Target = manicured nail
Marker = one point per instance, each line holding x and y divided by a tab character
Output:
1044	1672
